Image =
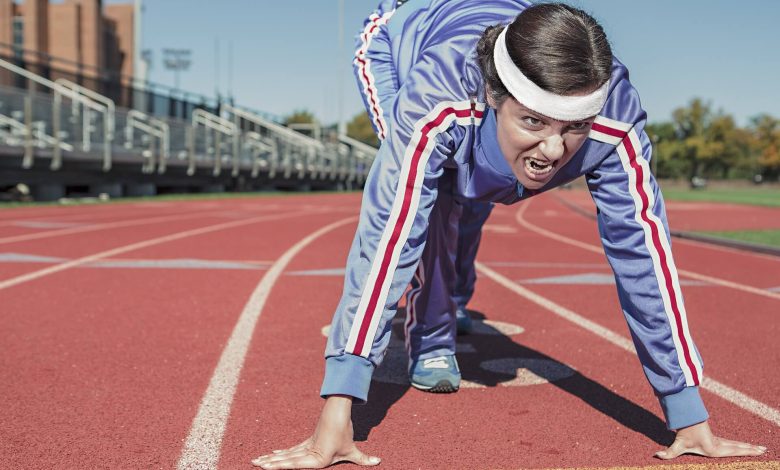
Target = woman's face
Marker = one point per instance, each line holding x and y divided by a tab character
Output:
537	146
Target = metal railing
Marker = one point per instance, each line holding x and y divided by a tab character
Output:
39	117
214	128
152	128
76	98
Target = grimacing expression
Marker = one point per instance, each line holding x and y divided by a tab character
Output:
534	145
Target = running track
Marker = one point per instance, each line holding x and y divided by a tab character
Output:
120	345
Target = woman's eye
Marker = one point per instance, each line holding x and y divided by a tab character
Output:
532	121
578	126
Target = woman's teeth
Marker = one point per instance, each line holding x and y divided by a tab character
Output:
538	167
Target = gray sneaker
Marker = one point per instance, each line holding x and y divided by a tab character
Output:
437	374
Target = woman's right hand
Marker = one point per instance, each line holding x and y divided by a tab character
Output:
332	442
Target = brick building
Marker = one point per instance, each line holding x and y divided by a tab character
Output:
81	38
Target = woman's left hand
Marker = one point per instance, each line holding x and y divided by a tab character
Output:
698	439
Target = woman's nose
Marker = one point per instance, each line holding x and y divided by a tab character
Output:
552	147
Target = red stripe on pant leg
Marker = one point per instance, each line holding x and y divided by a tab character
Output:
408	193
662	255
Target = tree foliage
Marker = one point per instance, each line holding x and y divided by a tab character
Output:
766	144
700	141
300	116
360	128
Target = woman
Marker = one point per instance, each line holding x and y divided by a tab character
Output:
471	110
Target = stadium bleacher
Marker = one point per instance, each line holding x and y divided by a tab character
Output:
61	138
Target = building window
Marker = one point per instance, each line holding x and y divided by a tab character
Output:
18	36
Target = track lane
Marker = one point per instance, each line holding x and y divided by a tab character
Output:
116	360
718	270
267	396
548	425
146	242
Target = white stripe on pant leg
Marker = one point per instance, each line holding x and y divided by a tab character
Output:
202	448
633	179
393	219
666	246
375	107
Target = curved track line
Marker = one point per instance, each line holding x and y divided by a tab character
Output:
721	390
143	244
592	216
519	216
202	448
105	226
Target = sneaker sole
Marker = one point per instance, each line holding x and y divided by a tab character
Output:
443	386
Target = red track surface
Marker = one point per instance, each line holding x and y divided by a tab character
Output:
106	368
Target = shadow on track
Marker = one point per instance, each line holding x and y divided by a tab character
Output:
490	359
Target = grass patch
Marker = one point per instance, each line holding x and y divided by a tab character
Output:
762	237
759	196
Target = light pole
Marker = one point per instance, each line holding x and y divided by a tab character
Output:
177	60
341	128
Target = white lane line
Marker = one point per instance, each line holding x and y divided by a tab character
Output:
106	226
143	244
721	390
203	445
686	241
710	246
519	216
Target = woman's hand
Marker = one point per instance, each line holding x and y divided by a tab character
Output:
332	442
698	439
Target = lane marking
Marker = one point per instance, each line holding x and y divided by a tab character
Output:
44	224
590	214
596	279
721	390
94	212
105	226
204	442
138	245
163	263
519	216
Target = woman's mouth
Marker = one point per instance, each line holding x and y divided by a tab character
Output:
538	169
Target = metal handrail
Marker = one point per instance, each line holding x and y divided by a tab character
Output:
272	126
364	152
108	115
42	136
257	142
141	121
219	125
111	121
155	127
59	92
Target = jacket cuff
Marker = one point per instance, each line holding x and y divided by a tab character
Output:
684	408
347	375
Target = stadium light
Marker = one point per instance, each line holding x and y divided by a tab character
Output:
177	60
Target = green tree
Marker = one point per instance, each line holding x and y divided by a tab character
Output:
300	116
663	135
360	128
766	144
709	142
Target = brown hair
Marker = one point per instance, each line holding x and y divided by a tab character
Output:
560	48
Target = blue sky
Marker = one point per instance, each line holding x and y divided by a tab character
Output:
286	54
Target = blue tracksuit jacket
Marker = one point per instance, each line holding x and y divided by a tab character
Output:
417	68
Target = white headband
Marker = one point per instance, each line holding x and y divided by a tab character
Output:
559	107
